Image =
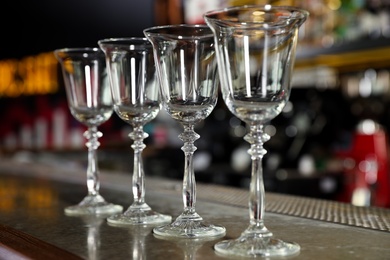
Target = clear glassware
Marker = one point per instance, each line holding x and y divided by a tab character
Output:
89	99
256	50
187	68
137	101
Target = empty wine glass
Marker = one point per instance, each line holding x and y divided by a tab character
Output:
135	92
89	99
187	69
256	51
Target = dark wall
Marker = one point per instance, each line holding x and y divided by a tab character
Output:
32	27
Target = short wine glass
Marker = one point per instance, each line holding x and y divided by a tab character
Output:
256	51
187	68
89	99
136	97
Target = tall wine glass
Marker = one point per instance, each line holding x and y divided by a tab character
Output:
135	92
89	99
256	51
188	74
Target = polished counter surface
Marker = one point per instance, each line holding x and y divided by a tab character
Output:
33	224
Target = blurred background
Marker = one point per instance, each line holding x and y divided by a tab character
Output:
330	141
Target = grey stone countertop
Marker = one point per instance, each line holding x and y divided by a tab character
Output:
34	195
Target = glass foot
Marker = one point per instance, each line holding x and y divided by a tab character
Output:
256	247
189	225
138	214
93	205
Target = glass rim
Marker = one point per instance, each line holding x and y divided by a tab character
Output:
78	50
123	41
78	53
303	14
157	30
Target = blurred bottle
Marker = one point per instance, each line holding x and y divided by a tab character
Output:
366	171
168	12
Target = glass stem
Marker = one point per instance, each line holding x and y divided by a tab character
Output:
93	184
189	185
256	137
138	135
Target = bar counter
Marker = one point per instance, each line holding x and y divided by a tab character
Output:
33	224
